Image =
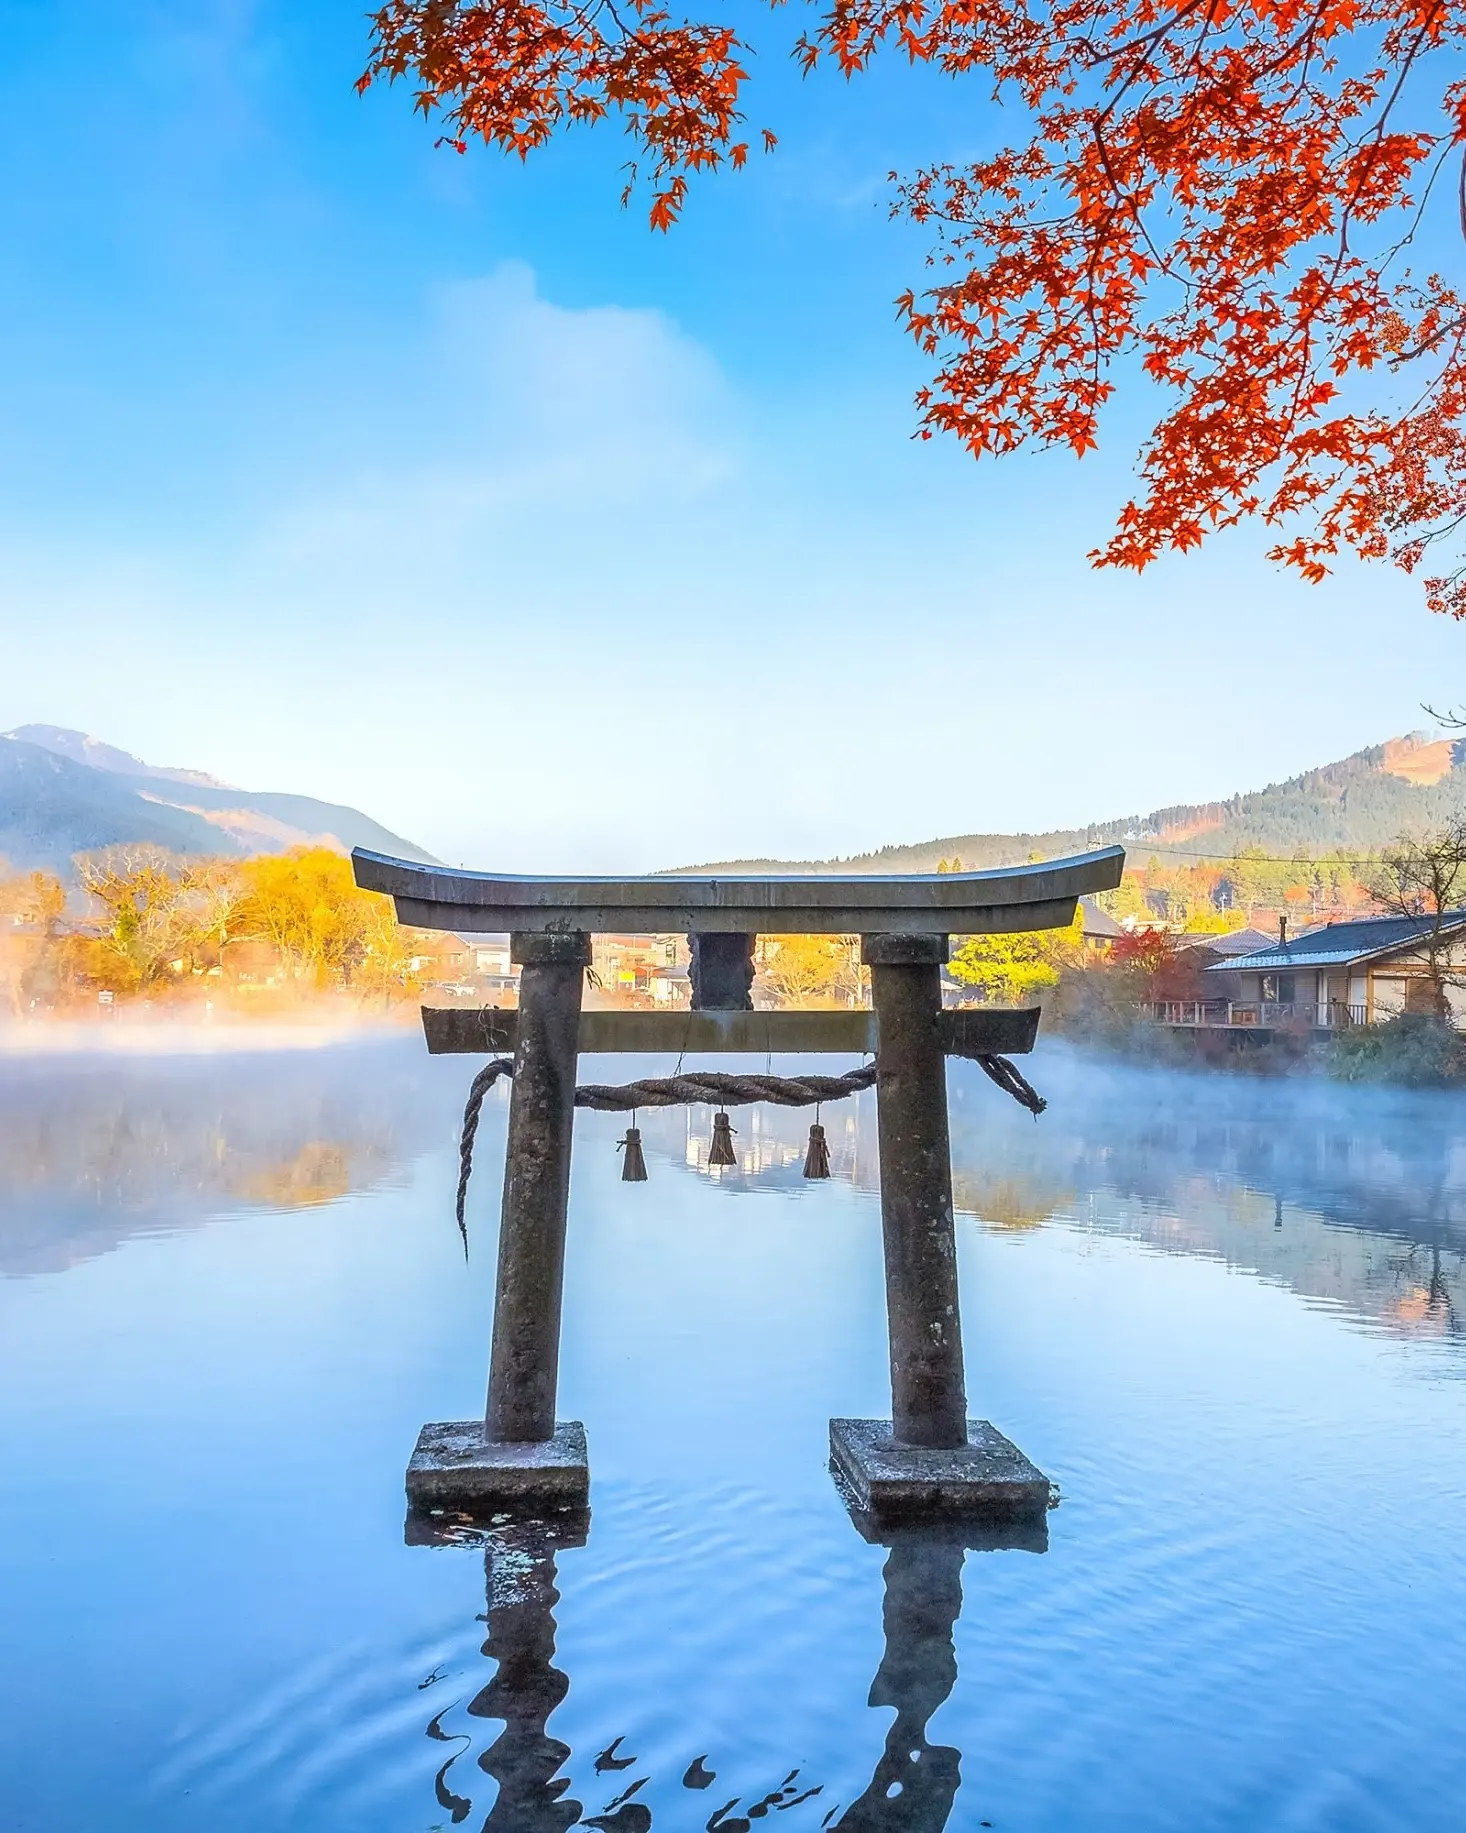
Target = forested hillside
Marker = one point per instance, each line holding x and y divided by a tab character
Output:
1356	805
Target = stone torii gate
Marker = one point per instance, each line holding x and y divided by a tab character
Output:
930	1458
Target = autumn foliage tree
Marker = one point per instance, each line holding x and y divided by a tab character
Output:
1221	195
1014	970
811	970
160	915
1160	966
159	921
306	904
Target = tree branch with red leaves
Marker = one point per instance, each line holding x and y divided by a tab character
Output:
1215	194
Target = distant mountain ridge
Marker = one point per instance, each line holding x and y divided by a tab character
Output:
83	749
1356	805
64	793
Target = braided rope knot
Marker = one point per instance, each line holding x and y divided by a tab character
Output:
715	1089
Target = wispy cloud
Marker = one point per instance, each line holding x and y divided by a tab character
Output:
511	432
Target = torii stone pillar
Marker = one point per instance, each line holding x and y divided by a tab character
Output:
930	1459
524	1363
928	1388
521	1455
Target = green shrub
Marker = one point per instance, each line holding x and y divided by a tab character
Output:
1414	1050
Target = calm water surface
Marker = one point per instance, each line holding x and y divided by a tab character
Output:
1226	1317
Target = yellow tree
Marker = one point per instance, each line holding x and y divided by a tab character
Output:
307	905
158	913
34	904
1013	970
805	970
385	971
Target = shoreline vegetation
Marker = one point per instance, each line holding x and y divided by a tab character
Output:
286	945
1410	1050
279	937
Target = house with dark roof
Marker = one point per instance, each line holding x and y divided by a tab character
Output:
1358	973
1228	945
1098	928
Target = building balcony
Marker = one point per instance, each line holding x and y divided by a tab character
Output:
1254	1015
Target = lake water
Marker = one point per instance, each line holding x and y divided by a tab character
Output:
1225	1316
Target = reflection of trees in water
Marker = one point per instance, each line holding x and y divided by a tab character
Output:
94	1150
912	1790
320	1172
1199	1164
1009	1203
1428	1305
1352	1196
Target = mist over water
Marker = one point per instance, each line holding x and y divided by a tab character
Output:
1223	1314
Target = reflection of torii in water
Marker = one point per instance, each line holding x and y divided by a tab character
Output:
915	1782
923	1601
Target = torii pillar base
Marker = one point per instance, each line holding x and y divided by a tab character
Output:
987	1479
456	1469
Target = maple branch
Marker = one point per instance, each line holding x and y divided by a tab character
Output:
1415	221
1145	42
1461	196
1232	194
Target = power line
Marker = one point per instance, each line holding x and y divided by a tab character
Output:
1266	859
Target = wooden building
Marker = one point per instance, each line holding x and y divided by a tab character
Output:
1357	973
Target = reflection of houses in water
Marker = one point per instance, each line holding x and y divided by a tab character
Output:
96	1149
1413	1287
912	1790
1355	1197
771	1142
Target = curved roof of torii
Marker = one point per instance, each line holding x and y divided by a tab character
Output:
1006	898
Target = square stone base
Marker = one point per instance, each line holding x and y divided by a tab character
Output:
454	1468
987	1478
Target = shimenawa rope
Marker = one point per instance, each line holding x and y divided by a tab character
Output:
722	1090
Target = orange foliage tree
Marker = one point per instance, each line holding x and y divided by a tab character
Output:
1222	192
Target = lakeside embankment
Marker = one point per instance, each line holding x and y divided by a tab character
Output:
1412	1050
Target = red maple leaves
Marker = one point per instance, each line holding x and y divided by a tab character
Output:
514	71
1220	197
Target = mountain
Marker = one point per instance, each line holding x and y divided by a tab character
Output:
1361	803
82	749
63	793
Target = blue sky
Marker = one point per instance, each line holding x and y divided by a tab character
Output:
334	462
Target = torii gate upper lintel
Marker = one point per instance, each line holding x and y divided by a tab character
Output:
930	1458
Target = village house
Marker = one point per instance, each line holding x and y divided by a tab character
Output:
1098	928
494	973
1205	949
638	969
440	959
251	964
671	987
1352	973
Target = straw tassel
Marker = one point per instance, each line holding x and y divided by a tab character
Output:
817	1158
721	1151
633	1166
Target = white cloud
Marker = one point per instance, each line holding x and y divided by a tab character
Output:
515	434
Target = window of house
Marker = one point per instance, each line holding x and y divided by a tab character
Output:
1278	989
